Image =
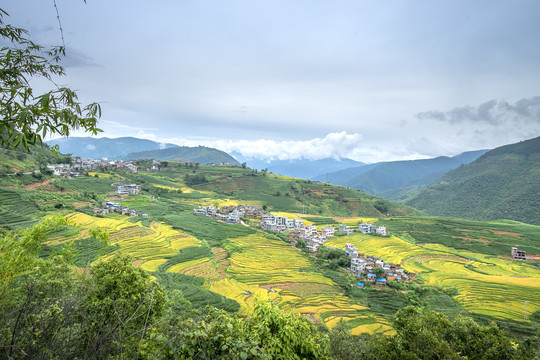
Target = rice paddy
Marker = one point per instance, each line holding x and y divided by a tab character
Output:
487	284
152	244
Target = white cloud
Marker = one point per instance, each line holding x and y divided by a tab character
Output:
334	145
90	147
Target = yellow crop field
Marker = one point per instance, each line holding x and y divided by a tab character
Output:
378	325
213	269
246	295
265	261
101	175
166	187
391	249
152	244
354	221
153	265
486	284
186	264
269	268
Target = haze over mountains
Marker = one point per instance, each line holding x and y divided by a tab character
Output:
395	175
300	168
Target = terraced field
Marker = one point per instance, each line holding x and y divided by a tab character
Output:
487	284
269	268
153	245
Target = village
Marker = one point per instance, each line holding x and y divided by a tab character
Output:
78	166
372	269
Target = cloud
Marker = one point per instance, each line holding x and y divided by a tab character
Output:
335	145
75	58
90	147
493	112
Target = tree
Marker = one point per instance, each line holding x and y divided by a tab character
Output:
430	335
122	304
27	118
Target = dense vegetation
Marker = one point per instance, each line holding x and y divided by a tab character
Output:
203	262
199	154
48	311
502	184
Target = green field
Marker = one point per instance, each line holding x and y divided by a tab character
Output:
461	266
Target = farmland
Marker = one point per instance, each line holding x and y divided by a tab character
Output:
461	266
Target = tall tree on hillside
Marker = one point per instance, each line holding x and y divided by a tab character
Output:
27	118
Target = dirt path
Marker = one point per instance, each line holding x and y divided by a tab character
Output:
34	186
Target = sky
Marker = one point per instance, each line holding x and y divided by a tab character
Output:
367	80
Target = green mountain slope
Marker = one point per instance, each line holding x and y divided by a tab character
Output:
200	154
502	184
378	178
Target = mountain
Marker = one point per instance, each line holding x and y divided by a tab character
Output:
301	168
381	177
504	183
98	148
200	154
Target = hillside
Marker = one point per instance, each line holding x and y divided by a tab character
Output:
98	148
14	161
504	183
230	266
301	168
381	177
199	154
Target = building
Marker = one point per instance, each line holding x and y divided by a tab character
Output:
345	229
381	230
518	254
367	228
327	231
127	189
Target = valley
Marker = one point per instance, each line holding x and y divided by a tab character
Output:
458	266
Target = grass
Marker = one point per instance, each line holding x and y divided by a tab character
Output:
461	263
204	228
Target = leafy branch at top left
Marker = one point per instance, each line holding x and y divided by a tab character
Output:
27	118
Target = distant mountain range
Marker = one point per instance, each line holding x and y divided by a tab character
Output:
99	148
300	168
133	148
504	183
200	154
394	177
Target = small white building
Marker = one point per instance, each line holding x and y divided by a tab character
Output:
327	231
367	228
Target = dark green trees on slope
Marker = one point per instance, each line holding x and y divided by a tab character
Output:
199	154
502	184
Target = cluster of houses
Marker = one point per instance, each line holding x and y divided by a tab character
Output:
79	165
363	266
230	214
314	239
122	188
110	207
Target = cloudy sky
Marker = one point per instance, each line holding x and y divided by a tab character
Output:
369	80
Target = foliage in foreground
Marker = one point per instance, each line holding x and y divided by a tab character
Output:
48	309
